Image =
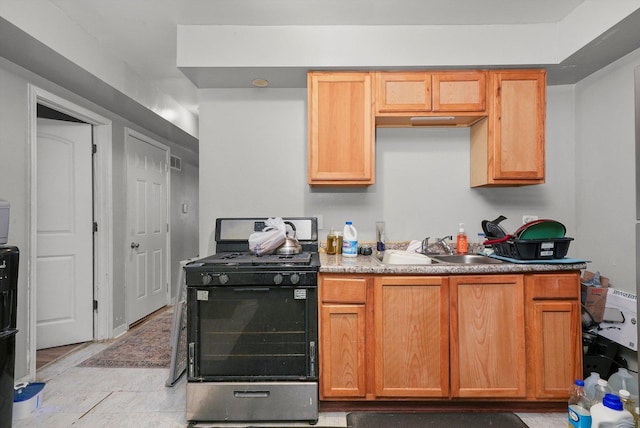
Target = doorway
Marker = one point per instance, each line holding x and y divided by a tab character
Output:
64	256
101	194
147	267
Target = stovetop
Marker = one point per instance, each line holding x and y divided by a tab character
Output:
250	259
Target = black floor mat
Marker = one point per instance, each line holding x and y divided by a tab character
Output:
434	420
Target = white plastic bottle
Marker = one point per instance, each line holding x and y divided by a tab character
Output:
610	413
579	415
349	240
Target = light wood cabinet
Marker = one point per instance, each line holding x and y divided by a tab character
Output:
553	323
487	330
505	109
341	129
508	146
421	98
342	330
505	337
411	321
402	92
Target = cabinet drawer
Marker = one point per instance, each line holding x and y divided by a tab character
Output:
554	286
344	290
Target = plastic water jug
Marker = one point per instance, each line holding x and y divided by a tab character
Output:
610	413
349	240
602	388
589	385
622	379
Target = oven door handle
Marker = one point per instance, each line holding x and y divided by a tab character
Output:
245	289
251	394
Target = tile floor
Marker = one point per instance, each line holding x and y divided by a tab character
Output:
99	397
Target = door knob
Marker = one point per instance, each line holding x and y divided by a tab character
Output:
135	245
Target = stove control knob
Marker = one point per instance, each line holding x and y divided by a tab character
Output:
223	278
206	279
277	280
295	278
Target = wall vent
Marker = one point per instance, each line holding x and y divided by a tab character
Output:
176	163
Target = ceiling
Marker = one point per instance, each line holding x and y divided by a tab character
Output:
142	34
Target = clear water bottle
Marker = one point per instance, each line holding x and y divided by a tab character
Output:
579	414
610	413
349	240
601	389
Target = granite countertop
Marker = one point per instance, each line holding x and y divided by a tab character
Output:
371	265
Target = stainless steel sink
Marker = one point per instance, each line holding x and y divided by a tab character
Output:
465	259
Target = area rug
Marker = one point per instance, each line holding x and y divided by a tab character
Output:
434	420
147	345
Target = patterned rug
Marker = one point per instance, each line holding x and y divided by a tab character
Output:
147	345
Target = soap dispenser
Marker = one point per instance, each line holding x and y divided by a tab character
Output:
461	241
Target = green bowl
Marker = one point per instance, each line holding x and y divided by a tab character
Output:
542	229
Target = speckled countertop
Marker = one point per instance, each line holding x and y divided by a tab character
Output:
371	265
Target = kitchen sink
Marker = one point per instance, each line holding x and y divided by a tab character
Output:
465	259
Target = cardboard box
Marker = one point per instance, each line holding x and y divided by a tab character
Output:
620	322
594	298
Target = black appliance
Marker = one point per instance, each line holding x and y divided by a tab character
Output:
252	328
8	302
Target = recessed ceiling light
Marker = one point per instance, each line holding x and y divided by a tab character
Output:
260	83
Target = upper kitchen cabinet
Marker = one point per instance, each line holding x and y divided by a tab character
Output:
341	129
442	98
507	148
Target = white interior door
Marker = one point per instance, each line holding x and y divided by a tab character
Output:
147	226
64	260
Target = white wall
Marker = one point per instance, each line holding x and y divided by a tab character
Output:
605	172
254	145
14	178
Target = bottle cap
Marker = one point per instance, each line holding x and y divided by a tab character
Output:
348	222
624	393
461	227
612	401
579	382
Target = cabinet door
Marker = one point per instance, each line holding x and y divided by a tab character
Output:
403	92
342	345
487	336
411	334
554	338
457	91
341	129
507	148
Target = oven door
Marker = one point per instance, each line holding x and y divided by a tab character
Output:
246	333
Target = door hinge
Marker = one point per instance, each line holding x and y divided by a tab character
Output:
94	149
95	226
95	305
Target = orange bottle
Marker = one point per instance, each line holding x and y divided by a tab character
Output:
461	241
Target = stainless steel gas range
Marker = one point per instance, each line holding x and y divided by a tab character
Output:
252	329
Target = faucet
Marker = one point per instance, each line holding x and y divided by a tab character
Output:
425	245
443	242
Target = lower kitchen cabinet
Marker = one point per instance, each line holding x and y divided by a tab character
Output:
487	331
342	331
498	337
411	321
553	328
